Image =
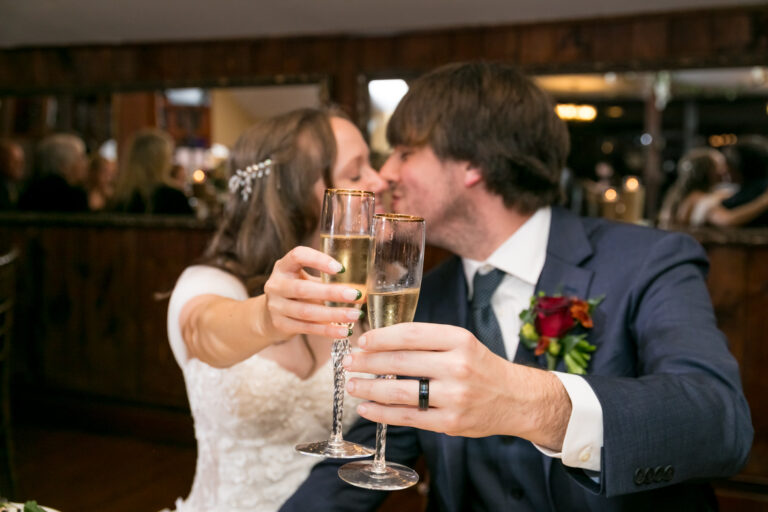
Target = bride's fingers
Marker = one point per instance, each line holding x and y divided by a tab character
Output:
290	325
310	290
309	312
301	256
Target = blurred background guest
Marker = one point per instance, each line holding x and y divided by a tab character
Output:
11	173
748	162
697	196
60	171
143	183
178	176
696	191
101	186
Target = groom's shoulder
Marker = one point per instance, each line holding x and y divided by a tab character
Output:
625	240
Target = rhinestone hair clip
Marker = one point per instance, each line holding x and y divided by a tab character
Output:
243	178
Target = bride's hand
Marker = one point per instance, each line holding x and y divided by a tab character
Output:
295	299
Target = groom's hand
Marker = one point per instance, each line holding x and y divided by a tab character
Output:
472	391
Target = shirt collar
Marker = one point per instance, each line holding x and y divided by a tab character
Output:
521	255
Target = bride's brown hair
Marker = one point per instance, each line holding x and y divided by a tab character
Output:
282	210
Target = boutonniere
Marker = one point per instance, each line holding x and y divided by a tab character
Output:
547	327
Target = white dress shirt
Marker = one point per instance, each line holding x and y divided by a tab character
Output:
522	257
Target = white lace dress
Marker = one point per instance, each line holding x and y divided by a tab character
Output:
247	417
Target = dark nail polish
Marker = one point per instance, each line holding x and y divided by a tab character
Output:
359	294
343	269
349	333
362	314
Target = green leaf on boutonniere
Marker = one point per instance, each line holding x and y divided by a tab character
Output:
551	361
593	303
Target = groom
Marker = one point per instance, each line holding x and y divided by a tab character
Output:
659	410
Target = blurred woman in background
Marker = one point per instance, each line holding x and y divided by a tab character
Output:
143	181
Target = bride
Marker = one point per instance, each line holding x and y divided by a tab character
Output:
247	325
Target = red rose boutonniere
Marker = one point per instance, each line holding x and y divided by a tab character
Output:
547	325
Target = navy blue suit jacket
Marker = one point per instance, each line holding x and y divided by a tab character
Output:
674	414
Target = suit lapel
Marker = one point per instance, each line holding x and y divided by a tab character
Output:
567	248
448	305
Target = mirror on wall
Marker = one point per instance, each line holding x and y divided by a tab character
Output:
629	125
203	123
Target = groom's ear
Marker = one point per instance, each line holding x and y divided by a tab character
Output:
472	175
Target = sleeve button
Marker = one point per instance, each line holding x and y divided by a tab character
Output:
648	475
658	474
669	472
639	476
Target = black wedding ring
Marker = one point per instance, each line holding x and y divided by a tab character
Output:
423	394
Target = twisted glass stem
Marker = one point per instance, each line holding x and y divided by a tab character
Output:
338	351
379	462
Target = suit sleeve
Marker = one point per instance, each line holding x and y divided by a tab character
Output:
683	416
324	491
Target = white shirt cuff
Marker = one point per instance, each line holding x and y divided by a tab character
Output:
584	433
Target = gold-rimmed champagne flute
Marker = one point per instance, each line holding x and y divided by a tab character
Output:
394	280
345	231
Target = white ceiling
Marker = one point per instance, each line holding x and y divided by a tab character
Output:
64	22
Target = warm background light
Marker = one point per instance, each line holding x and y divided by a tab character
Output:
198	176
614	112
571	112
631	184
723	139
610	195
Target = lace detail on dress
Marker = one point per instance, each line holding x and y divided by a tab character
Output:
247	420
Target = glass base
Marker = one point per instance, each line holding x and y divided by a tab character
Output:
393	478
340	450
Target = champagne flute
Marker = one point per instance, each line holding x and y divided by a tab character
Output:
345	230
394	280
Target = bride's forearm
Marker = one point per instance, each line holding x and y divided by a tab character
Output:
221	331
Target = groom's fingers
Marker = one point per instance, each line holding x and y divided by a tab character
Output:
415	336
394	391
436	420
409	363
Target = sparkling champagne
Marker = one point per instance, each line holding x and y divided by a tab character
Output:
389	308
352	252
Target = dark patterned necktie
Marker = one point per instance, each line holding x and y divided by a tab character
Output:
483	322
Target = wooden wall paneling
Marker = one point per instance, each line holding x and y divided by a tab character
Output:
500	44
343	86
468	45
267	56
690	36
649	41
755	359
713	37
727	284
159	377
110	308
732	32
125	64
611	44
424	50
64	355
553	44
378	54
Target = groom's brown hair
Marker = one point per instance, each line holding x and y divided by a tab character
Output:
493	116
